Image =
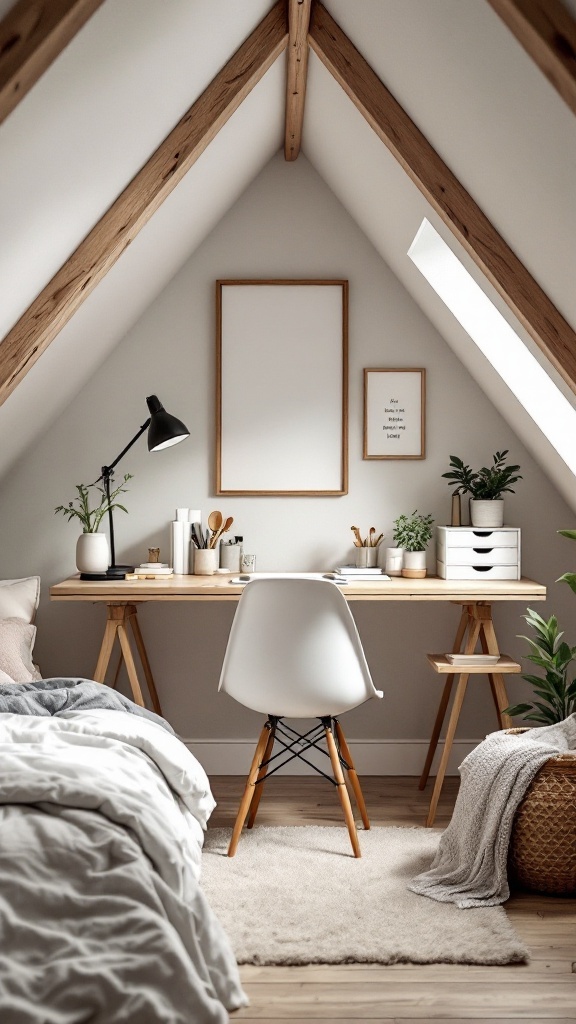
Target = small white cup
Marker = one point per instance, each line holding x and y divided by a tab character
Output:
248	563
205	561
394	559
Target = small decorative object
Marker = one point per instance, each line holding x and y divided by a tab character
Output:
248	563
485	486
456	514
412	533
394	414
153	555
367	549
92	547
394	557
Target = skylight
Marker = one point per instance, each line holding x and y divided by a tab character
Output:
497	340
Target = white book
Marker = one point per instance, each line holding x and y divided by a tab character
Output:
479	659
356	570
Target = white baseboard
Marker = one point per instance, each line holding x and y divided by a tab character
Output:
371	757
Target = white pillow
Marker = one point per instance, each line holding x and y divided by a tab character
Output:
19	598
16	644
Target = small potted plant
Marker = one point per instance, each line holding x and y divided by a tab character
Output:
92	547
485	486
412	533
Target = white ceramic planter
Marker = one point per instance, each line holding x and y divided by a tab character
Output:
414	564
92	552
487	513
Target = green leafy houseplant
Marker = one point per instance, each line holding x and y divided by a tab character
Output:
568	577
486	484
556	692
92	517
413	532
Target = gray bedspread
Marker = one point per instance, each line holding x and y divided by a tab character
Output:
52	696
102	918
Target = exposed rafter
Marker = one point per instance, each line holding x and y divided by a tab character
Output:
297	70
143	196
441	188
547	32
32	35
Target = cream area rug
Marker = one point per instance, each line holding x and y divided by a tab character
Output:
296	895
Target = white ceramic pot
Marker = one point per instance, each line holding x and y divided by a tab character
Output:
205	561
92	552
414	564
487	513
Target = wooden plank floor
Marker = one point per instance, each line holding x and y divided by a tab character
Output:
543	990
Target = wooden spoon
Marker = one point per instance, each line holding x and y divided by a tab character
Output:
358	539
223	529
215	521
370	541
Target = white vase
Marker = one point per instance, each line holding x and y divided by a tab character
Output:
394	557
92	552
414	564
487	513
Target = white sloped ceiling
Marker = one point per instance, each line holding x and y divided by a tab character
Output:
502	129
75	142
98	113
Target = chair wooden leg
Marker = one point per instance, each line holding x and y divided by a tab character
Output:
260	780
352	775
249	788
342	791
450	733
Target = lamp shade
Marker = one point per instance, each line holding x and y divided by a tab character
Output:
164	430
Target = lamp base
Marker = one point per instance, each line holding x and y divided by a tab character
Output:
118	572
91	576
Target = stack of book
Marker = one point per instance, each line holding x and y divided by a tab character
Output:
354	572
151	571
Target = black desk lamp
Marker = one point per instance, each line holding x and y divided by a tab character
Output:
164	430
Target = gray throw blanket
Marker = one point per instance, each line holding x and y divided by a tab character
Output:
469	868
51	696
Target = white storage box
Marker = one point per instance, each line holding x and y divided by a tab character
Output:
465	553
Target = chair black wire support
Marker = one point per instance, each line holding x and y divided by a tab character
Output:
294	745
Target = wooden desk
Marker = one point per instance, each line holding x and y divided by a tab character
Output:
123	596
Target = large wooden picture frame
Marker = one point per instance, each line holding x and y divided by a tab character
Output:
282	387
394	414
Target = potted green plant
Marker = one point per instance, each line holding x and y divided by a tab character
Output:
92	547
555	691
485	486
412	533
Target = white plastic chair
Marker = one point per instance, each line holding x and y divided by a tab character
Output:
294	652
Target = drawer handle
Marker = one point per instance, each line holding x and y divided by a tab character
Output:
482	551
482	568
482	533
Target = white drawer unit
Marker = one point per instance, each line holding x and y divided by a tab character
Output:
465	553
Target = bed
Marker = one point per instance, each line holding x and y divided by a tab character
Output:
102	818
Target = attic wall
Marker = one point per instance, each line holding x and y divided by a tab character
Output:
287	224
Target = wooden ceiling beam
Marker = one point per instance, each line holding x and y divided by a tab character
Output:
547	31
446	195
32	35
296	73
114	232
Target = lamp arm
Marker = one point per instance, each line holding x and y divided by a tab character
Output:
107	472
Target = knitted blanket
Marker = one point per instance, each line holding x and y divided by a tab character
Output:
56	695
469	868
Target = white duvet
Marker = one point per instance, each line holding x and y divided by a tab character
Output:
101	915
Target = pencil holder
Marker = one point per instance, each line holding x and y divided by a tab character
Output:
205	561
366	557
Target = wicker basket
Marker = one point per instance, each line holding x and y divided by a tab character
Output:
542	852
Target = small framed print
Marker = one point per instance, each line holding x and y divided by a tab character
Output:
394	414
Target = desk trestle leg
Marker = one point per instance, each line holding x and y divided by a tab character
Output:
475	626
119	616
